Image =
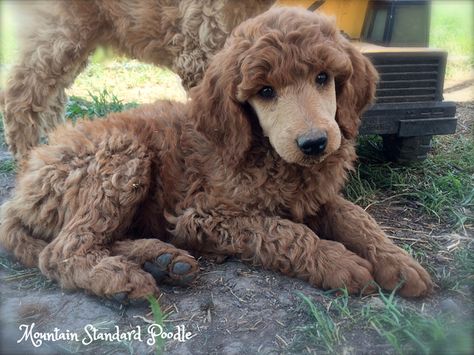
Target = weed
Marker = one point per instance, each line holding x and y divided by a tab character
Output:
130	80
403	327
7	166
464	261
323	331
341	304
409	330
100	105
459	274
419	254
158	319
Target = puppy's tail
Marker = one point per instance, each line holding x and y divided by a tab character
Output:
17	239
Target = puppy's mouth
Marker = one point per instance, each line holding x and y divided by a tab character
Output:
309	161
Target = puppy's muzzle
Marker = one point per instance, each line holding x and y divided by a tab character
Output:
313	143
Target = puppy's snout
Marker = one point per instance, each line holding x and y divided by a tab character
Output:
313	144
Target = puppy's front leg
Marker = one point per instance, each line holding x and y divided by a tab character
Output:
342	221
277	244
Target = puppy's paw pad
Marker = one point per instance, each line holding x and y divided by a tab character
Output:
181	268
156	270
164	260
175	269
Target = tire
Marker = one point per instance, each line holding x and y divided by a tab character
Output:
406	150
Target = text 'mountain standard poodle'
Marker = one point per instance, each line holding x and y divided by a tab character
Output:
252	166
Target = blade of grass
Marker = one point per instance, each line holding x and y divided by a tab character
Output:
158	318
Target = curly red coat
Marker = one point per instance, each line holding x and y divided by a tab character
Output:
207	177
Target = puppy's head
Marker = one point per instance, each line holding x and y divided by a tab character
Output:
306	84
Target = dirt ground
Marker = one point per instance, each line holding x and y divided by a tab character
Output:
232	308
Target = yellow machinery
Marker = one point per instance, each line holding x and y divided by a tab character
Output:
394	35
349	14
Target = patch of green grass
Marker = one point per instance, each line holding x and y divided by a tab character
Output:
7	166
100	105
341	303
458	275
443	185
129	80
7	32
404	328
322	331
417	252
464	260
409	330
452	29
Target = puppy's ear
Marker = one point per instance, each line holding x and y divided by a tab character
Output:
356	92
221	117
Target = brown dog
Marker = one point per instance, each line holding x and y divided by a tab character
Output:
58	37
252	166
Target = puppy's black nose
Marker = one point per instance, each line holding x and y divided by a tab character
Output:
313	144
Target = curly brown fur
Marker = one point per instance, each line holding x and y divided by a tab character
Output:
209	177
58	36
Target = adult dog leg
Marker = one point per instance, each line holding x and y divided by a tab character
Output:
50	58
276	244
164	261
342	221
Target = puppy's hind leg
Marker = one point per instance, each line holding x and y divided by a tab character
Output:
78	259
15	237
118	181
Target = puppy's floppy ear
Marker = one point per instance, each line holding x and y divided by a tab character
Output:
355	92
222	118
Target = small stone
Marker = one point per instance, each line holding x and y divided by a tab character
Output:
449	306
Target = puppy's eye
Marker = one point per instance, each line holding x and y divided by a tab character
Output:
267	93
322	78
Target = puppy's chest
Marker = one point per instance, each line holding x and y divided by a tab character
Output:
291	195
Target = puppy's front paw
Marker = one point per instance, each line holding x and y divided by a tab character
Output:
339	268
175	268
394	267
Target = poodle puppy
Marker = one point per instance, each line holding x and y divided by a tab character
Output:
58	37
252	167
